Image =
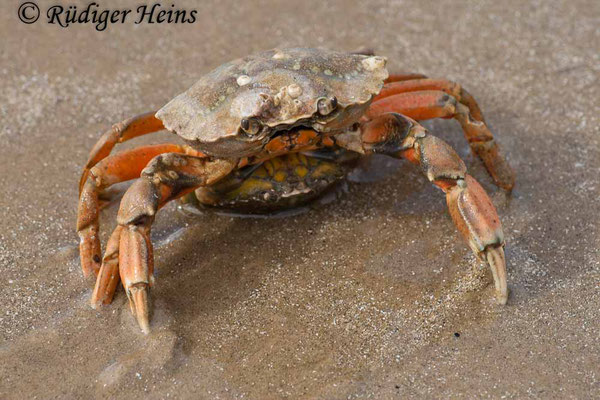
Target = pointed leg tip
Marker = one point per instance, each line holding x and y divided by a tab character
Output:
502	298
89	275
496	260
96	301
507	185
144	325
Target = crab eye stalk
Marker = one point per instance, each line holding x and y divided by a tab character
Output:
250	125
326	106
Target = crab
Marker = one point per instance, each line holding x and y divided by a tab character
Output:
275	130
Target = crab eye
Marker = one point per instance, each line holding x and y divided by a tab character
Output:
326	106
250	125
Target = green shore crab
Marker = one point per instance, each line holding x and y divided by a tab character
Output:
274	130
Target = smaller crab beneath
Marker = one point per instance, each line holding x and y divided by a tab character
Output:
274	130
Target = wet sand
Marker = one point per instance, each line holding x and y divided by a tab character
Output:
372	296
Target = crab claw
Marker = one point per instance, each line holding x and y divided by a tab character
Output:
476	218
135	267
138	301
495	259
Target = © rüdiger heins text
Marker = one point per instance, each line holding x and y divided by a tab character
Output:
102	18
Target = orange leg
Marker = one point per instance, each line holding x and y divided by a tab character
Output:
108	275
471	209
118	133
117	168
167	177
452	88
428	104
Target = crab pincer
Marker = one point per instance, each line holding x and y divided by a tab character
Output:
470	207
475	217
136	268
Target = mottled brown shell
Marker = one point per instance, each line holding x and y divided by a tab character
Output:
280	88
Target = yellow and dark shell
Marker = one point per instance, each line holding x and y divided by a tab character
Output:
283	182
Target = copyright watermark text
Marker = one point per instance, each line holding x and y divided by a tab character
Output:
67	15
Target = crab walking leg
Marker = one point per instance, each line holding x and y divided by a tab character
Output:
108	276
117	168
470	208
167	177
417	85
428	104
118	133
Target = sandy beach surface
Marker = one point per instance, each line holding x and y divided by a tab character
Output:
373	296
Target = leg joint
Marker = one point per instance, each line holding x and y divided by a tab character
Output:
387	134
439	160
140	203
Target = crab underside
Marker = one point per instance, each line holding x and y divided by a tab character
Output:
275	130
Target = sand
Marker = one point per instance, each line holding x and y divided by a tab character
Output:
372	296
